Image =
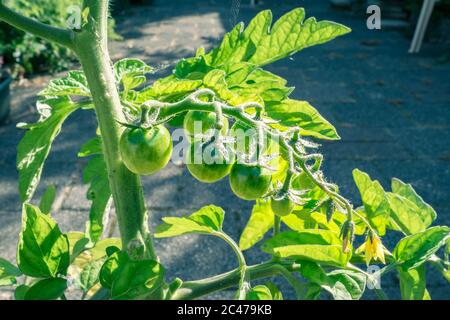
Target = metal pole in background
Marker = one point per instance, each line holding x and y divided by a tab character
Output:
422	24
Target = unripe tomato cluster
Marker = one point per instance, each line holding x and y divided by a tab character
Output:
145	151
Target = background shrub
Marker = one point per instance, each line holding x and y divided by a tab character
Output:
27	54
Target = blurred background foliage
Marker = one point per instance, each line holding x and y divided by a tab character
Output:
25	54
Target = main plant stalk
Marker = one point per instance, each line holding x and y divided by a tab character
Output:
91	46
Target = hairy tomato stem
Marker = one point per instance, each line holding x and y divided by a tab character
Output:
244	276
196	289
92	50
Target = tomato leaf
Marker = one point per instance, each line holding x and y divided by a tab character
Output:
45	205
8	273
205	221
167	89
77	243
215	80
130	279
409	211
322	246
193	68
274	291
35	146
264	84
341	284
412	251
261	221
347	282
374	199
89	276
413	284
91	147
259	292
99	193
47	289
260	44
237	73
88	253
292	113
74	83
96	175
131	73
43	251
20	292
406	214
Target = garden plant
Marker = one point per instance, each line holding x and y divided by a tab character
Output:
299	218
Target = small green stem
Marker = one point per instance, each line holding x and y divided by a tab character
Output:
261	142
276	225
290	172
196	289
244	281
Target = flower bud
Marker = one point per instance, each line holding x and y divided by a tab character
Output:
347	234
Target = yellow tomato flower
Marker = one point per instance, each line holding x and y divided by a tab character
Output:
373	249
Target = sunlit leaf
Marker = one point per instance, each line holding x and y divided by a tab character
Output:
74	83
46	289
96	175
413	284
130	279
412	251
89	276
321	246
208	219
262	44
43	251
47	199
261	221
131	72
8	273
259	292
376	204
410	212
341	284
34	147
293	113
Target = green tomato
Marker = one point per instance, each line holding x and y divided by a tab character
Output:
146	151
206	164
282	207
250	182
207	121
